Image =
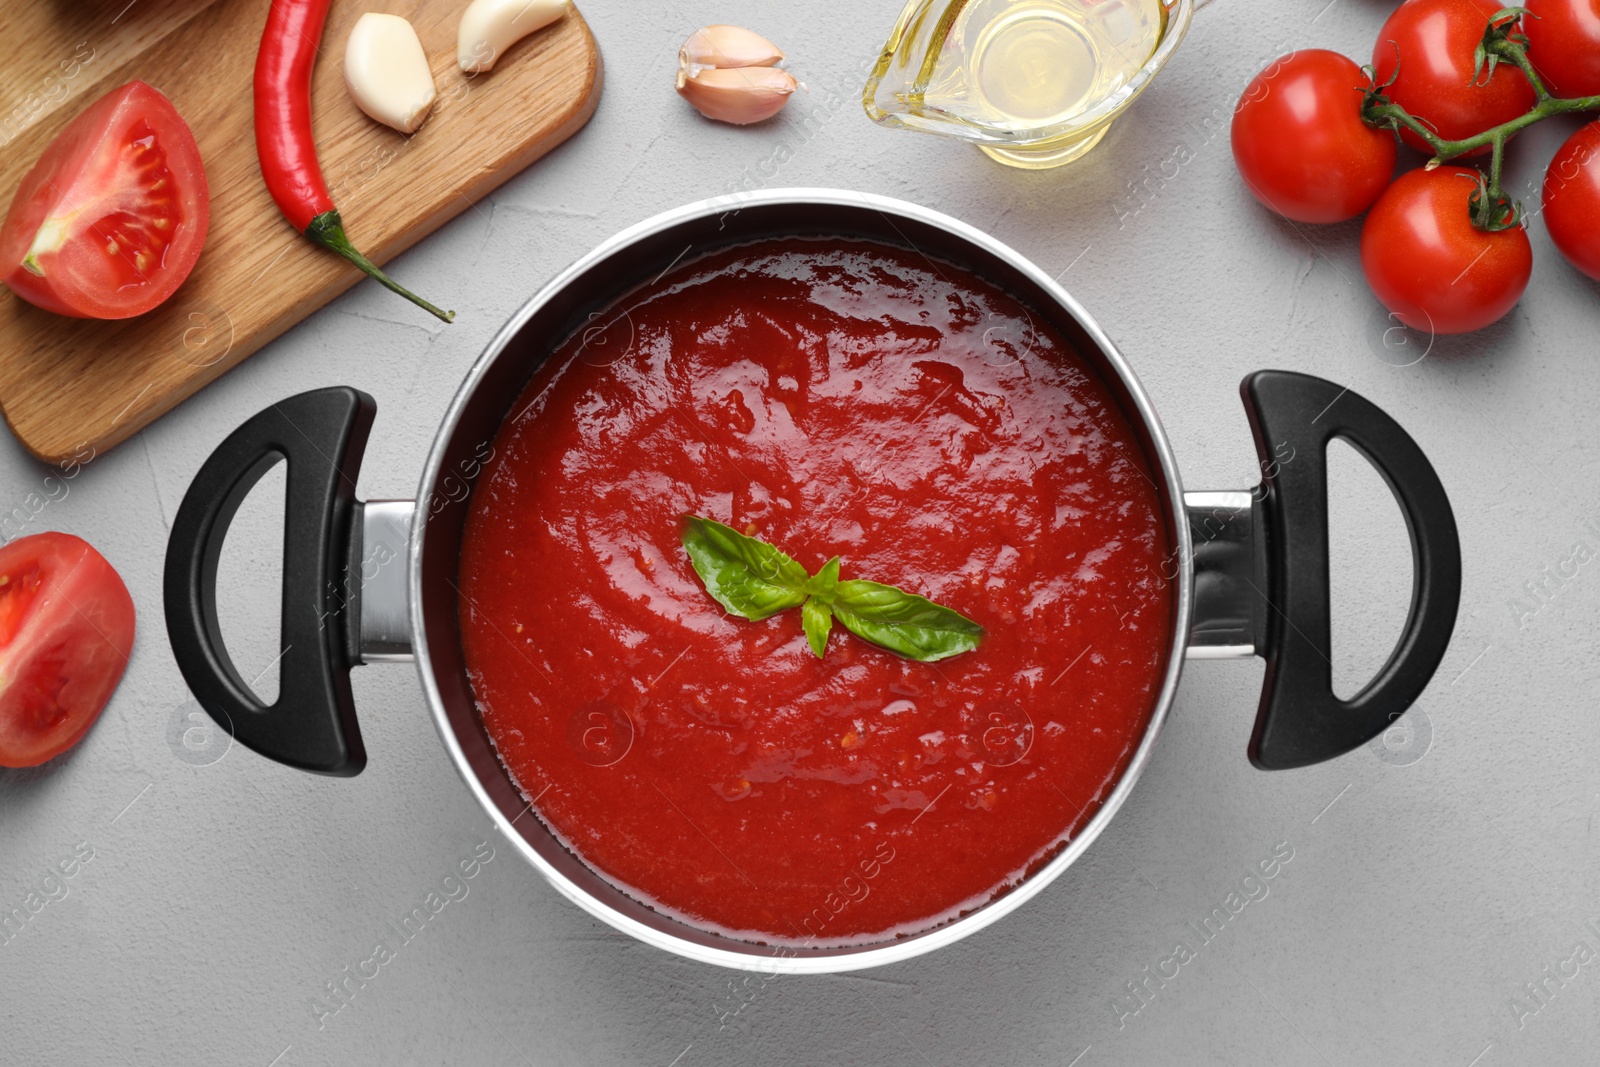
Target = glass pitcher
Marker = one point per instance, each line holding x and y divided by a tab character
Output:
1035	83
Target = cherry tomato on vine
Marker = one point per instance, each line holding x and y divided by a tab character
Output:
1430	266
1433	42
1564	44
1572	199
1300	144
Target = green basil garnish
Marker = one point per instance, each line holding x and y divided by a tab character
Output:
902	622
748	577
817	618
825	581
755	580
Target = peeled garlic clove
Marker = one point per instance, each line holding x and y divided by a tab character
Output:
741	96
728	46
489	27
387	71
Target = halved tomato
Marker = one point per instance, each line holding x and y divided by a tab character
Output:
110	220
66	629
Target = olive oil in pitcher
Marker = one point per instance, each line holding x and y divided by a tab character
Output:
1035	82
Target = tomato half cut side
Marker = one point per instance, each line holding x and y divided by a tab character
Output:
66	631
110	220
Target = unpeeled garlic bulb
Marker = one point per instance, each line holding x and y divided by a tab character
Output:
730	74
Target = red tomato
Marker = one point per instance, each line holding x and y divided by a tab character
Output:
1564	44
1572	199
110	220
66	628
1436	40
1300	144
1430	266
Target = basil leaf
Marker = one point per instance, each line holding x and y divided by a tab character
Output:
904	623
817	619
755	581
822	584
747	576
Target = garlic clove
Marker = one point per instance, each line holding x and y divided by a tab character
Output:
741	96
728	46
387	71
489	27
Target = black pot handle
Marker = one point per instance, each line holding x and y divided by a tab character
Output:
1300	720
312	724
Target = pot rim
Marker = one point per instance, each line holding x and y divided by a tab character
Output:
772	960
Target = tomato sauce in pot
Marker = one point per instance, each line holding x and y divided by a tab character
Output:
832	397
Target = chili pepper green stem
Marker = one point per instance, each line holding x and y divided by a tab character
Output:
327	229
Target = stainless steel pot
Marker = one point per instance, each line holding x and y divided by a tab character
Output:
376	581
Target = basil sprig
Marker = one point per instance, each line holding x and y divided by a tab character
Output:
755	581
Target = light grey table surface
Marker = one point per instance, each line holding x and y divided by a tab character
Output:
1429	885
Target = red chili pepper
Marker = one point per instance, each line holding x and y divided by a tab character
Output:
283	134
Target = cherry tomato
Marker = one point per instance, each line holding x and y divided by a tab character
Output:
1564	44
66	628
1435	41
1572	199
1300	144
1430	266
110	220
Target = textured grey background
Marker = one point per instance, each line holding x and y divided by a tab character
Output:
1427	888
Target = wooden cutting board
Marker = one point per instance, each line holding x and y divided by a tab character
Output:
71	385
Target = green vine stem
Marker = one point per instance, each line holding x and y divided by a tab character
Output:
1491	210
